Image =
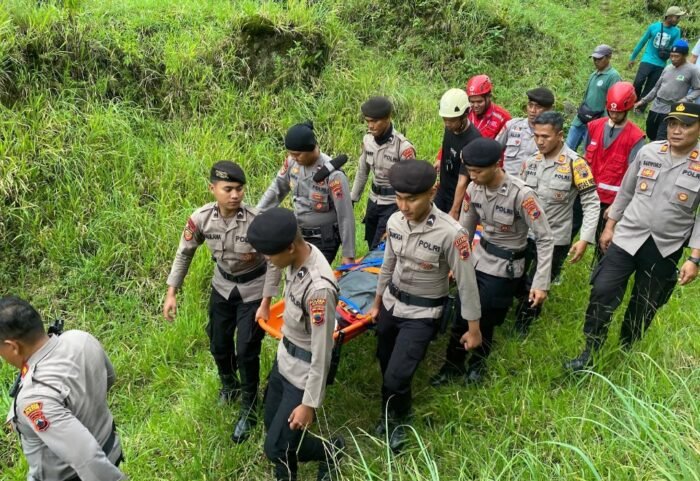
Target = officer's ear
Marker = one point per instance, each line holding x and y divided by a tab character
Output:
11	351
211	187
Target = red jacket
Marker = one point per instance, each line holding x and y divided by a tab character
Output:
491	123
609	165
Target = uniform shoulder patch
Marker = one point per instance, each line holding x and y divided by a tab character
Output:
461	243
317	311
35	413
431	220
336	188
531	207
285	167
583	177
408	153
190	230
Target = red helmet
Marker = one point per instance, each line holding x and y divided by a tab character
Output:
479	85
621	97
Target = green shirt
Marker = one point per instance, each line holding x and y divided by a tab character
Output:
597	90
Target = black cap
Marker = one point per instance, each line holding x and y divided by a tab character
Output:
482	152
377	108
227	171
412	176
686	112
272	231
301	137
542	96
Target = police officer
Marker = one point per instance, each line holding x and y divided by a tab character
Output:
296	386
60	404
459	131
612	144
323	207
242	284
517	136
654	215
506	208
558	175
423	245
382	147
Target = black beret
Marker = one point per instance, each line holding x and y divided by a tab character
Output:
542	96
482	152
412	176
377	108
227	171
273	231
300	138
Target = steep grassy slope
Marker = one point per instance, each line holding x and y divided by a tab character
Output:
110	115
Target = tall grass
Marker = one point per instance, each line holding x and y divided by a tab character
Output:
111	114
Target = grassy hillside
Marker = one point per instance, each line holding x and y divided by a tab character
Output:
111	114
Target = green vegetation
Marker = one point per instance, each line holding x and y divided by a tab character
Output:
112	113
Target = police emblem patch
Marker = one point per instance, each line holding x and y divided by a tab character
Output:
336	188
190	229
682	196
409	153
643	186
461	243
648	173
317	311
426	266
694	166
530	206
35	414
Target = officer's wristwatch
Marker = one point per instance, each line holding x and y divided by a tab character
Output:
694	260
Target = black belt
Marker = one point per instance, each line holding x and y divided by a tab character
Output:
500	252
412	300
107	448
296	351
382	190
315	231
243	278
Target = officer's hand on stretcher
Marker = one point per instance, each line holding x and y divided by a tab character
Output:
170	307
577	251
537	297
471	339
373	311
301	417
263	311
688	273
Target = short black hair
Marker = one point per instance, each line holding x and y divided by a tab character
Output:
550	117
19	320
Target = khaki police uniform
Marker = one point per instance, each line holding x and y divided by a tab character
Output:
518	142
303	361
656	211
378	158
413	283
241	279
507	214
323	210
61	415
558	182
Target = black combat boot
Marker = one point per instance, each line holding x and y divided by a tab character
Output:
230	388
247	419
399	436
328	470
583	362
447	374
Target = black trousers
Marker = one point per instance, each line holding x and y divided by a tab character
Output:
525	314
656	127
375	221
401	346
647	76
496	295
577	219
443	200
283	446
225	317
654	279
328	242
578	222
